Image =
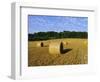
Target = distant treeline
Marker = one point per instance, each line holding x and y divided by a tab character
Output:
56	35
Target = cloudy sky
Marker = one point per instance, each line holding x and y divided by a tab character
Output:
39	23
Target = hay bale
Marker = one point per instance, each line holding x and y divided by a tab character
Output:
55	48
40	44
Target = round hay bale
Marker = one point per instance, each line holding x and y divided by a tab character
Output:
40	44
55	48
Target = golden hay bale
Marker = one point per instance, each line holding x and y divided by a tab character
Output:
40	44
55	48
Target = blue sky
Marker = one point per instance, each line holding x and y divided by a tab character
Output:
43	23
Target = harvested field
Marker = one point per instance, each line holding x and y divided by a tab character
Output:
75	52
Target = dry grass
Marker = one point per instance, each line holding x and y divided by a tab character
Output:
75	53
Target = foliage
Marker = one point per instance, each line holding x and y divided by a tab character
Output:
56	35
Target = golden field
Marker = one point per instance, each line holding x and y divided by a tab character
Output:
76	53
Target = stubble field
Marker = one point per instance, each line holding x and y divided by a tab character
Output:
76	53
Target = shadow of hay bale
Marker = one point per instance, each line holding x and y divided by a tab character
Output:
63	50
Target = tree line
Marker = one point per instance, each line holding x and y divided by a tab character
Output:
56	35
